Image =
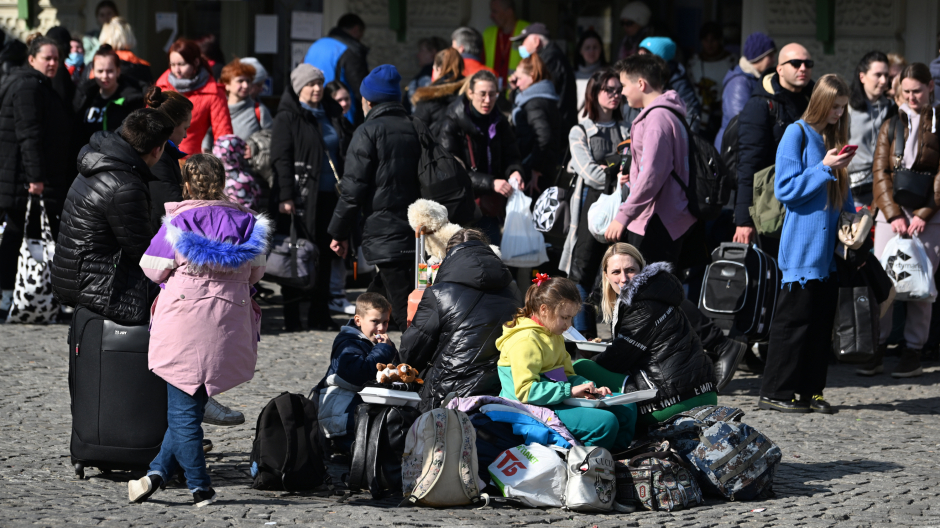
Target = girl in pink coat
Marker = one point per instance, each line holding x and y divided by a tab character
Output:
204	326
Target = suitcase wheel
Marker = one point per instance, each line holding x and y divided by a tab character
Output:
79	470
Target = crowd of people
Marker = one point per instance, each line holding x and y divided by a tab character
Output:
175	171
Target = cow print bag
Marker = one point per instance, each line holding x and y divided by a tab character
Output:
33	302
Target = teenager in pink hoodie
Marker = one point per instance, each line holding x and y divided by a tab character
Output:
655	216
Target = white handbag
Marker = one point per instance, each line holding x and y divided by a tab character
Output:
591	481
33	302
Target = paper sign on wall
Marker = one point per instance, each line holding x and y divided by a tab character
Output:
265	33
305	25
298	50
165	21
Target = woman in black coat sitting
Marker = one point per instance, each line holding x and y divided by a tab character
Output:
654	344
536	119
431	102
452	339
477	133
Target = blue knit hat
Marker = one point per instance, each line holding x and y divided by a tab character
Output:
382	85
663	47
757	46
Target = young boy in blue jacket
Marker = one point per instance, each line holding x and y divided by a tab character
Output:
360	345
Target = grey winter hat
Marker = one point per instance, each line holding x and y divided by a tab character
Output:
303	75
261	74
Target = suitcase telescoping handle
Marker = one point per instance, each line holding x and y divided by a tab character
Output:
419	250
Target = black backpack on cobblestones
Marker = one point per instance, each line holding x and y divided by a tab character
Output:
729	458
378	448
286	453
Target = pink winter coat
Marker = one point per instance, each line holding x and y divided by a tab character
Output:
204	326
660	145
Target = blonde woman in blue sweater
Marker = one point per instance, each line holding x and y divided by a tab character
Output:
812	181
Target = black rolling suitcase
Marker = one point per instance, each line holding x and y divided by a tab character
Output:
740	290
118	404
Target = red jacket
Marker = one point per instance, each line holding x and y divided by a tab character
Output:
210	107
471	66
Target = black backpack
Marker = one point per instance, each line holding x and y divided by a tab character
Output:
286	453
444	179
378	447
729	140
710	182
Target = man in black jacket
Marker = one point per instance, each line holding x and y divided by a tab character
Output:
535	41
778	100
380	181
105	226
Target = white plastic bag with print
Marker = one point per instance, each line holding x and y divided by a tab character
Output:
602	213
532	474
522	245
905	260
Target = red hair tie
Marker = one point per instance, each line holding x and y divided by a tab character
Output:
541	278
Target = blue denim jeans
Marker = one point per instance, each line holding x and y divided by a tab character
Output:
182	444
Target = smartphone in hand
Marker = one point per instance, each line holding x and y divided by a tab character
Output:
848	149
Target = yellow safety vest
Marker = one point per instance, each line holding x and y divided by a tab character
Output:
489	45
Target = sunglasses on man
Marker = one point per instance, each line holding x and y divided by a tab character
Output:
797	63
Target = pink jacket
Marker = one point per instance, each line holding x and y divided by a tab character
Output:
656	153
204	326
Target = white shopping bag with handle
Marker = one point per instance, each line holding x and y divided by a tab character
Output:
522	245
905	260
532	474
602	213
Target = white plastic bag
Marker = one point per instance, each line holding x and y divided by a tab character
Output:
602	213
534	474
905	261
522	246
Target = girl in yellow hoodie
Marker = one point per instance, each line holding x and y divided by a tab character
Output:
535	368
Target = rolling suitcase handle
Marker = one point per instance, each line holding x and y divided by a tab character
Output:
732	250
419	251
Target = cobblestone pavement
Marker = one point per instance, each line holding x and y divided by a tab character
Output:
874	463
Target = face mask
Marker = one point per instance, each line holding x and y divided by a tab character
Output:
523	52
75	59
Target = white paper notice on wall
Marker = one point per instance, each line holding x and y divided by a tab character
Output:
265	33
305	25
298	51
165	21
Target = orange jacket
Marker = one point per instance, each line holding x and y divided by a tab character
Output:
210	107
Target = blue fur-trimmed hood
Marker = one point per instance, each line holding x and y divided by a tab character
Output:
225	238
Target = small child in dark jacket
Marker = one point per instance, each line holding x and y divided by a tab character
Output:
359	346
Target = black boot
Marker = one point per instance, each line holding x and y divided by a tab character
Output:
729	355
292	317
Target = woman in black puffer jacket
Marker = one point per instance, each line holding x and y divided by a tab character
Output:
476	132
536	118
652	335
456	350
431	102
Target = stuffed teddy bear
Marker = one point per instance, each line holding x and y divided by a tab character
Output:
403	373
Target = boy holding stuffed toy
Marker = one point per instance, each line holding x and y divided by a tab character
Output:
360	345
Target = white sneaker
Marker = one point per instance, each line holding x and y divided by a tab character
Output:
342	305
218	414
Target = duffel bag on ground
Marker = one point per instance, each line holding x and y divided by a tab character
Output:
660	480
591	480
729	458
439	464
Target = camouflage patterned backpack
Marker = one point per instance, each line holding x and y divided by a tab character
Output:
656	480
728	457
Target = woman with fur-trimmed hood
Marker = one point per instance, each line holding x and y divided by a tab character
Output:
654	343
430	102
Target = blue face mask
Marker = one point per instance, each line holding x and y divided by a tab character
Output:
523	52
75	59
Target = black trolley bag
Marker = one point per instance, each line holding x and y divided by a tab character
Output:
740	290
118	405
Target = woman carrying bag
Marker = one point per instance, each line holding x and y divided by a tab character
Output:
812	181
593	142
308	146
919	163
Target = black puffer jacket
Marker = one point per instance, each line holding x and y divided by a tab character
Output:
35	135
104	232
167	184
456	350
504	158
654	335
379	182
539	129
297	144
565	86
431	102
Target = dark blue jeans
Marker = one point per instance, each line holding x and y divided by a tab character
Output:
182	444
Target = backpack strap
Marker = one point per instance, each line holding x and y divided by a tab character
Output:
426	481
898	142
293	434
373	470
358	464
258	112
473	161
467	455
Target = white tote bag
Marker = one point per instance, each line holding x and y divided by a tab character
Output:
602	213
532	474
522	245
33	302
905	260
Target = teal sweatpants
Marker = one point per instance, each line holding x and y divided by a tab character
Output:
611	428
